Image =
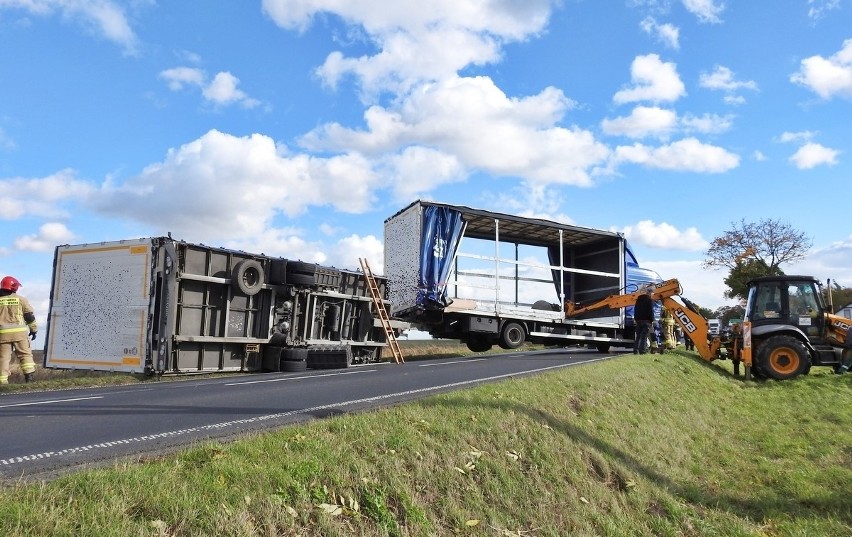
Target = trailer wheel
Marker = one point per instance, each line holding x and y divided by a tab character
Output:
299	278
291	366
602	347
294	359
513	336
247	276
479	344
783	357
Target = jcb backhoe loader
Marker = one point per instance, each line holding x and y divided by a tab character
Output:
786	329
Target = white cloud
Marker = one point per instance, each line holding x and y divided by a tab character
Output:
348	250
722	78
6	142
664	235
702	286
222	90
758	156
643	121
418	170
812	155
801	136
480	127
654	80
178	77
707	123
416	44
668	34
229	188
48	236
102	17
820	8
832	261
827	77
705	10
684	155
45	197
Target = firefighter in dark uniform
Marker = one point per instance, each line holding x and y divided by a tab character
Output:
17	327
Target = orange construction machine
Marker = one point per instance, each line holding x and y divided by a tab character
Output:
787	328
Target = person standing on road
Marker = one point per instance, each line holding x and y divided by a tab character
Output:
643	316
17	324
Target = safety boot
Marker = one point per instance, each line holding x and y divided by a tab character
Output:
29	377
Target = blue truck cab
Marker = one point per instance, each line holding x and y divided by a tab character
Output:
637	277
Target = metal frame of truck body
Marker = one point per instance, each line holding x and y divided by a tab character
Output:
590	265
156	305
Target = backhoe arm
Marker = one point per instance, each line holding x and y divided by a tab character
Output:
694	326
662	290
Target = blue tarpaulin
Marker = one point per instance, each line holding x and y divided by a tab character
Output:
442	229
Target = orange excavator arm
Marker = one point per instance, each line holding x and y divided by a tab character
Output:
693	324
661	290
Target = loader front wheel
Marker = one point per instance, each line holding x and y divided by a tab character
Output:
783	357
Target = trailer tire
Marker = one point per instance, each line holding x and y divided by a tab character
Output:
247	276
512	336
479	344
783	357
292	366
300	278
602	347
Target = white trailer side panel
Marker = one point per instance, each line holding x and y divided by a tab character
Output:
402	257
100	306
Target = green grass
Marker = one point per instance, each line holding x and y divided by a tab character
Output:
637	445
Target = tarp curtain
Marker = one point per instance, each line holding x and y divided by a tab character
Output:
442	228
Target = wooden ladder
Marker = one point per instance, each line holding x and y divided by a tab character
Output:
379	302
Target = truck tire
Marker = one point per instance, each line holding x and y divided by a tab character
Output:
602	347
294	359
512	336
783	357
479	344
247	276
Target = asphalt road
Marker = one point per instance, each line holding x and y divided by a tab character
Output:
47	433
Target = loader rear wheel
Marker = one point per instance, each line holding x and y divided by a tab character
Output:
513	336
247	276
783	357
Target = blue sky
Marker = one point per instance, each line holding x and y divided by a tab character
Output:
296	127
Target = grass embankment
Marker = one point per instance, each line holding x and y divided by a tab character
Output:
638	445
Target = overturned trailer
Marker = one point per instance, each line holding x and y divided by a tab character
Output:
158	305
489	278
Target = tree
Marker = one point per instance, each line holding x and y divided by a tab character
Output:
752	249
840	296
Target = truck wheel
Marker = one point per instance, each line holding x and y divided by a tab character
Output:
783	357
513	336
247	276
479	345
602	347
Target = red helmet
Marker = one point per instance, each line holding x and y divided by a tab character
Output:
10	284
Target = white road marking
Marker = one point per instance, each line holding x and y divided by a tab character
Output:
298	378
260	419
454	362
52	401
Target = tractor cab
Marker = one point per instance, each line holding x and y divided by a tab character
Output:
794	301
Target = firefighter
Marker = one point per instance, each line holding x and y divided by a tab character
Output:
17	322
668	324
